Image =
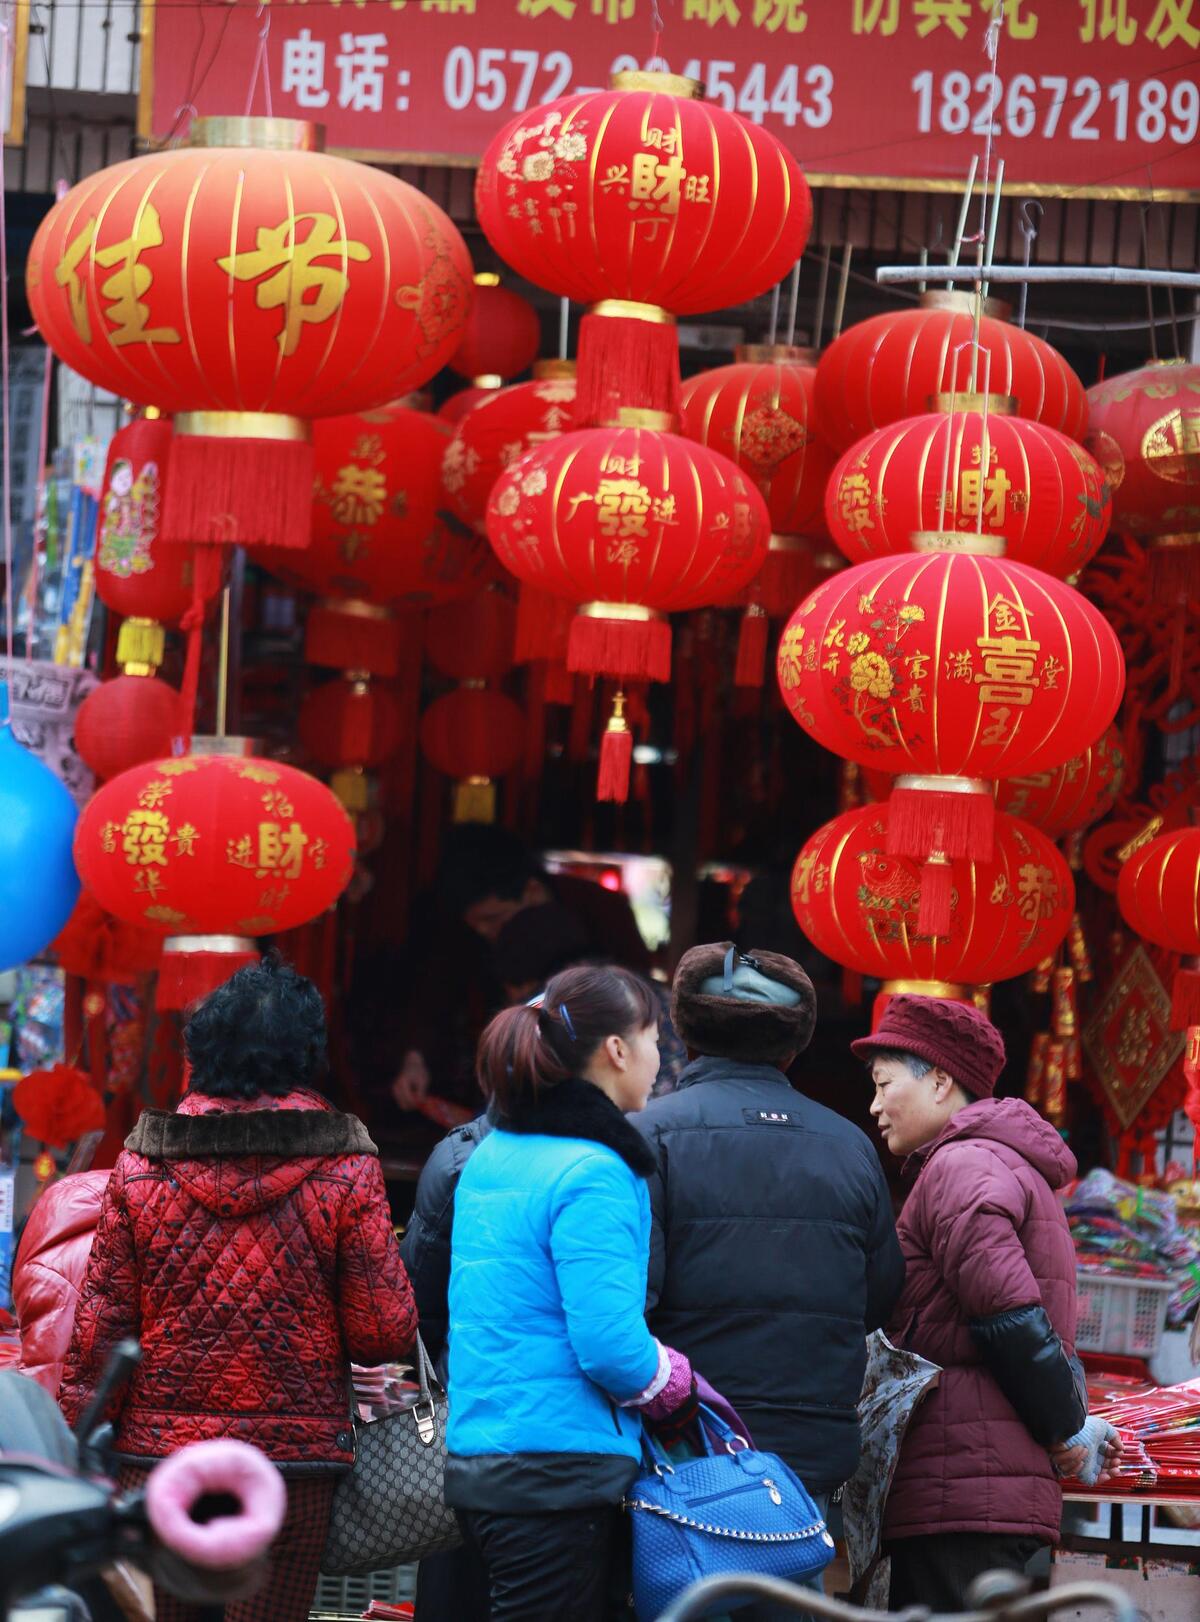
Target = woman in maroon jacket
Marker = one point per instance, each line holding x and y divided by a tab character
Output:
989	1296
245	1240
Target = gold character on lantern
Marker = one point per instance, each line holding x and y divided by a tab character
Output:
1005	615
996	732
654	182
854	501
280	850
153	795
308	293
665	140
124	289
359	495
185	837
144	838
1008	670
1037	892
960	666
791	657
622	507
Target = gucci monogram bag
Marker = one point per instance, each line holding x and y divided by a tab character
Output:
389	1509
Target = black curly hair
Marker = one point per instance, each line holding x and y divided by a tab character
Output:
263	1031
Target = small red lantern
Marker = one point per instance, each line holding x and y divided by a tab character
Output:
58	1106
892	365
1028	487
456	407
501	337
860	905
647	203
953	669
1070	797
216	846
473	735
246	285
126	721
1158	892
349	725
498	431
472	640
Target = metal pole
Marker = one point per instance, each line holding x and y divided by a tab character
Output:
774	329
564	327
843	284
1149	290
1114	275
962	214
793	297
223	664
822	289
993	222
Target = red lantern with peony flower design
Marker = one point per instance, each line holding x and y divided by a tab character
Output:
246	285
860	905
1158	892
211	850
1042	495
59	1105
892	365
501	336
645	203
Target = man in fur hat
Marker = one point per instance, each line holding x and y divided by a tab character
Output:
774	1251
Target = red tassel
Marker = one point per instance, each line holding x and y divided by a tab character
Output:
794	566
937	891
1185	999
638	650
186	976
353	636
207	568
751	663
543	626
626	362
244	492
921	820
616	756
560	684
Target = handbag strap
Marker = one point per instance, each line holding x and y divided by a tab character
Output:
710	1423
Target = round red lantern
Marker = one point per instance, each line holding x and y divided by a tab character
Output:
247	284
472	640
501	337
498	430
1158	892
1070	797
760	412
650	201
951	667
59	1105
349	725
456	407
206	846
473	735
860	905
892	365
1144	430
126	721
1019	482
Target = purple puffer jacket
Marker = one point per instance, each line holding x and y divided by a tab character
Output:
982	1232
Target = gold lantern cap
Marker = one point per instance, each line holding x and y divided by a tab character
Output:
487	278
543	369
262	134
762	354
238	747
667	84
951	401
953	298
970	543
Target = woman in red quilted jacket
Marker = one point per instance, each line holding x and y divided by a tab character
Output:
245	1240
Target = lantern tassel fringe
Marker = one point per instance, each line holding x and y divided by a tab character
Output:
1185	999
625	362
751	663
248	492
543	625
616	756
186	977
475	800
937	895
925	820
637	650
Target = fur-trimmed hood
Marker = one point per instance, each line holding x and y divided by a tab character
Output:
730	1027
577	1109
220	1134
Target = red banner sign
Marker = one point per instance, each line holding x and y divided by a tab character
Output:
1089	97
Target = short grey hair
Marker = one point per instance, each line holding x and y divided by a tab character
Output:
917	1066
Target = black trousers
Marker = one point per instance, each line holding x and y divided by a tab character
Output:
452	1587
937	1571
565	1566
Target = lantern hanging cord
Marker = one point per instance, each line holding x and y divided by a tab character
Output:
5	481
260	62
656	28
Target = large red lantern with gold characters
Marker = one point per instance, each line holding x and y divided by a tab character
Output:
1158	892
246	285
892	365
1144	430
213	848
860	905
956	470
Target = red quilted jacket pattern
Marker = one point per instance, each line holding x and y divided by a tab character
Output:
982	1232
251	1281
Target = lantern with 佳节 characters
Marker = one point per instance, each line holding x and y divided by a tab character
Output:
892	366
970	467
246	284
645	203
212	850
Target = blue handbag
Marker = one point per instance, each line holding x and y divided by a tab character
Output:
726	1512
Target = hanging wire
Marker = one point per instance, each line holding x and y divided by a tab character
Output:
260	57
793	297
1143	212
1029	231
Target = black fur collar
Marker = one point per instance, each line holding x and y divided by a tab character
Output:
288	1133
576	1109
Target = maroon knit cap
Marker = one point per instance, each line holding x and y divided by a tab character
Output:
953	1035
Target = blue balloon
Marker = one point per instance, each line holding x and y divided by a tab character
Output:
38	881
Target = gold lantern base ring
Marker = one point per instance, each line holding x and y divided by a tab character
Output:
241	425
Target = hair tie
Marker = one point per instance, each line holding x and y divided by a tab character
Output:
566	1019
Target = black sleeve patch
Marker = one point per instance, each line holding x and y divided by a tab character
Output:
772	1117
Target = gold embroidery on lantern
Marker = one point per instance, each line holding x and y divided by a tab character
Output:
292	274
1008	670
144	838
185	837
124	289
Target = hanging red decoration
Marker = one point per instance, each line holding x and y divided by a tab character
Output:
954	670
646	203
208	847
350	725
474	736
501	337
246	285
1042	497
1159	896
892	365
1070	797
860	905
472	640
96	946
498	431
126	721
761	413
57	1106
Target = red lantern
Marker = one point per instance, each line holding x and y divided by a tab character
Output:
965	667
860	906
1159	895
474	736
246	291
59	1105
456	407
350	722
499	430
892	366
1070	797
472	640
217	845
760	412
1042	497
126	721
650	201
501	337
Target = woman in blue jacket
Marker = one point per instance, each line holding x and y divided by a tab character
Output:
551	1363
